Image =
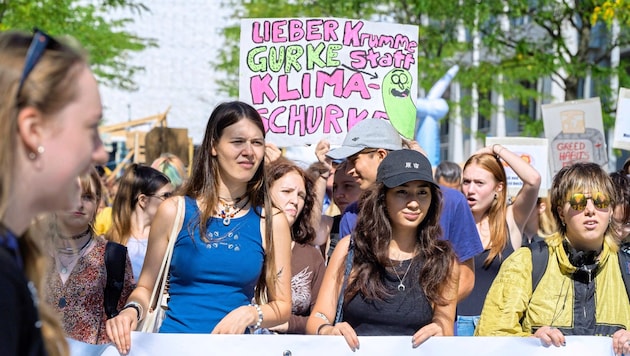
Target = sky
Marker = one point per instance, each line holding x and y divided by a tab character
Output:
178	73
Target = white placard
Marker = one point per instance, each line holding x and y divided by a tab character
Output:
575	130
533	151
621	137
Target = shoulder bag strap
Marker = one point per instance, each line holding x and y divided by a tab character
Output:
160	281
115	261
349	259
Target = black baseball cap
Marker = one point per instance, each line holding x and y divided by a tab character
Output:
402	166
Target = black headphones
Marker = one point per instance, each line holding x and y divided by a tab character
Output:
585	262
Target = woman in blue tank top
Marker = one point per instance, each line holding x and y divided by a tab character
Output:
226	253
403	277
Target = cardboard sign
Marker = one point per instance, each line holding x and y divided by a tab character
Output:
575	131
316	78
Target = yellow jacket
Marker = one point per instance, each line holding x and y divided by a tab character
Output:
511	309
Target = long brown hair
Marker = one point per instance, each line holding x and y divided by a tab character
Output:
372	235
204	184
49	88
138	179
498	209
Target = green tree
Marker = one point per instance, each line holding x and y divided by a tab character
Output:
104	38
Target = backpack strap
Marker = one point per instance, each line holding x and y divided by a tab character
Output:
540	258
624	264
349	260
115	261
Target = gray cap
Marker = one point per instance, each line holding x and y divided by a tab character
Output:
402	166
368	133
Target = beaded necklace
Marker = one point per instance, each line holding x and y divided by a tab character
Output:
228	211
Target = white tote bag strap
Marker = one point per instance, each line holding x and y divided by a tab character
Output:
160	281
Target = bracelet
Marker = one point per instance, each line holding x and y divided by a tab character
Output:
319	329
260	317
135	305
497	153
325	175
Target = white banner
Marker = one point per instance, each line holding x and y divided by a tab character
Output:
300	345
314	78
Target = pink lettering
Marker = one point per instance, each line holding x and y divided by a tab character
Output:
260	87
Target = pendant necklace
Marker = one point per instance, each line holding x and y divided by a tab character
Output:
401	286
229	211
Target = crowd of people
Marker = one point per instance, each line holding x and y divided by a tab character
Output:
367	240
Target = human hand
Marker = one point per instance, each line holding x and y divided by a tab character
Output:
282	328
322	148
343	329
549	335
119	329
621	342
272	152
414	145
236	321
425	333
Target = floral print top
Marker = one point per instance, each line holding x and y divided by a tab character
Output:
80	300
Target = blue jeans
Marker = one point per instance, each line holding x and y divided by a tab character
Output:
465	325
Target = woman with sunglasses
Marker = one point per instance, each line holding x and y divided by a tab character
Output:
139	195
49	118
500	226
581	291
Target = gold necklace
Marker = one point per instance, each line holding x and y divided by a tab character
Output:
401	285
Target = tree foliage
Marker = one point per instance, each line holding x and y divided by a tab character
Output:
536	45
104	38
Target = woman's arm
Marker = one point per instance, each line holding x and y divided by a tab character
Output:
322	317
524	203
443	315
319	221
119	328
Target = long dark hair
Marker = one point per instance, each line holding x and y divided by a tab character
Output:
372	235
138	179
302	231
204	183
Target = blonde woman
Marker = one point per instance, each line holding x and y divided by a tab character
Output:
49	121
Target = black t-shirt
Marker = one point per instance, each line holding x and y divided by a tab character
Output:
20	327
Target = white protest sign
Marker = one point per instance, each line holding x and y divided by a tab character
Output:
575	130
316	78
621	137
533	151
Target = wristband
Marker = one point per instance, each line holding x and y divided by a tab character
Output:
325	175
319	329
260	317
135	305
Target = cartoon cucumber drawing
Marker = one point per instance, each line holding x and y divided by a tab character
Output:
397	100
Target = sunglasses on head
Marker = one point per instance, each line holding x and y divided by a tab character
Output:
40	43
578	201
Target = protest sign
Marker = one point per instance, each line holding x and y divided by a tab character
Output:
531	150
575	131
314	78
621	137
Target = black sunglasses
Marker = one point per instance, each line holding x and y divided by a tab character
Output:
40	43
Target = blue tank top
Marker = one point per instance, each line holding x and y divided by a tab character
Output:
209	280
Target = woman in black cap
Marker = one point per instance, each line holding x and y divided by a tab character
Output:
396	276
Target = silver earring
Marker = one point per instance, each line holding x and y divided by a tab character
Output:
40	149
32	156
